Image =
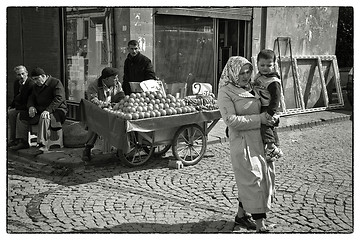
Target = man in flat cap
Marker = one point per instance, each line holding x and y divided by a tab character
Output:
103	91
46	108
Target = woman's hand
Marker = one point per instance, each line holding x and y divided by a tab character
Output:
267	119
263	118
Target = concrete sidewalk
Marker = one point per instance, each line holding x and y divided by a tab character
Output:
71	157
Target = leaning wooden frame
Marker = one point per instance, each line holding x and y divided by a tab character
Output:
309	83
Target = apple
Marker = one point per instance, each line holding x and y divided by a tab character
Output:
139	109
168	111
151	96
141	115
162	112
157	113
135	116
128	116
147	115
152	114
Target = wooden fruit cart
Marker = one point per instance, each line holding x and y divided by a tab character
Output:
138	140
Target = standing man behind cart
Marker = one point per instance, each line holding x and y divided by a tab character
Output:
137	67
102	92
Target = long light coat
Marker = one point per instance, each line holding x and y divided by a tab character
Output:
254	176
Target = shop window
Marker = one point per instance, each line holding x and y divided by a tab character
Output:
184	51
87	48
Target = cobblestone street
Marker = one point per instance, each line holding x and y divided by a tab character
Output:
314	192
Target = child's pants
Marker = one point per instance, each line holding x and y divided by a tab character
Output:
269	135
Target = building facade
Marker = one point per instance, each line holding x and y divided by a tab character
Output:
186	45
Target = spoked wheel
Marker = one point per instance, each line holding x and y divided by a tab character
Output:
189	144
137	154
158	150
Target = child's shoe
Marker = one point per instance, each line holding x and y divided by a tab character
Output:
279	153
272	154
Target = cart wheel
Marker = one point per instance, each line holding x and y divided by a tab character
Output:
137	154
189	144
158	150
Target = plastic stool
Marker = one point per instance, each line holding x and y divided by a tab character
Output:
32	138
56	137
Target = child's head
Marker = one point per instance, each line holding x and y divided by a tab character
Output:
266	61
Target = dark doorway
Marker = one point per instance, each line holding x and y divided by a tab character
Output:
231	41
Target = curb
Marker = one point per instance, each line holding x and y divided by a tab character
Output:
291	127
312	123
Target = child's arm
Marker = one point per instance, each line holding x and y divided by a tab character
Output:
274	89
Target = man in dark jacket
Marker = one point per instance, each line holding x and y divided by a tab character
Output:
22	90
46	108
137	67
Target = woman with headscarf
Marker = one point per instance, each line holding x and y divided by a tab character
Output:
240	110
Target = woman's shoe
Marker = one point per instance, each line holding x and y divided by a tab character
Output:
246	222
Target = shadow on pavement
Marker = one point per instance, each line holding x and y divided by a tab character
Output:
108	167
207	226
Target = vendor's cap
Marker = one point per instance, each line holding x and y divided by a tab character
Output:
108	72
37	72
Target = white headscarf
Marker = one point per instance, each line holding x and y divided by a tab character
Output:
230	73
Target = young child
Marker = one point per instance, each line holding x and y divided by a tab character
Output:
268	86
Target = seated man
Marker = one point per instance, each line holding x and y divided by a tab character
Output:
22	90
102	92
46	108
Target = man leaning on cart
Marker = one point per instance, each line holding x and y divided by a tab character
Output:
102	92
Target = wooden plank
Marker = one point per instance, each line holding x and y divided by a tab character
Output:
322	79
297	85
308	85
337	81
304	57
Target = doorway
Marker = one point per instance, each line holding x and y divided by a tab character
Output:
233	40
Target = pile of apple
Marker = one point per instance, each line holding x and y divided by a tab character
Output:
149	105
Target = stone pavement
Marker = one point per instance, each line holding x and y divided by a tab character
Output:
71	157
314	192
